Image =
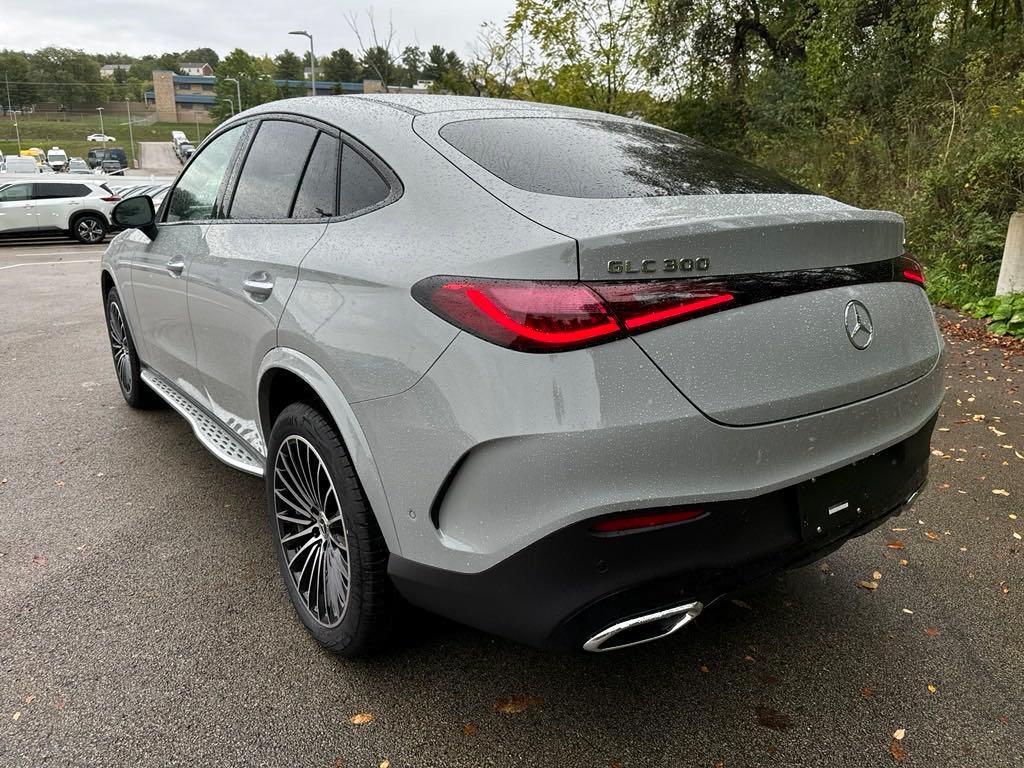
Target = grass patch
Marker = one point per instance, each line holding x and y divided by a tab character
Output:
69	132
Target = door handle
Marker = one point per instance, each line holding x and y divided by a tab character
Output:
176	266
258	285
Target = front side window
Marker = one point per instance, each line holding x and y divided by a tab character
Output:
270	177
14	193
195	195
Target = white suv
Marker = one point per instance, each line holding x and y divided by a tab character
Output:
80	209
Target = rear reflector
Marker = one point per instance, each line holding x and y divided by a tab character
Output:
644	520
110	199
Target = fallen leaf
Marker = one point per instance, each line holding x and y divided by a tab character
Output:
876	575
1000	492
824	567
932	688
771	718
385	764
907	610
895	544
513	705
899	734
1012	516
740	604
932	535
16	716
898	753
998	433
704	669
867	584
1016	536
39	560
867	692
469	729
361	719
904	562
932	631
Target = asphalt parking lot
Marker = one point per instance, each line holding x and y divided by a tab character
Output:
143	621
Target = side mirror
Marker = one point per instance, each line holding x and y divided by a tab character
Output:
136	213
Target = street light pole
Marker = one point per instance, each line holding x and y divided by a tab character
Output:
238	90
131	133
231	104
100	110
10	109
312	57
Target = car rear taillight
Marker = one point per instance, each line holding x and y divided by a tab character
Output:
910	270
110	198
645	520
551	316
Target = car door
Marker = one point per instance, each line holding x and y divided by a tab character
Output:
17	209
55	202
284	192
160	267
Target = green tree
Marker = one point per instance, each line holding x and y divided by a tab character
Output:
67	76
288	66
201	56
256	85
379	63
412	64
341	66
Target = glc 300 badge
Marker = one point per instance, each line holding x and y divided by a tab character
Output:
650	266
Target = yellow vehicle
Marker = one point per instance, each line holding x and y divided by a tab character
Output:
34	152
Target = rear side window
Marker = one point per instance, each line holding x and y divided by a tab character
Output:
273	167
46	191
318	193
361	185
605	159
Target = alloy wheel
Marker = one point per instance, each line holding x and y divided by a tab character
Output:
89	230
311	530
119	347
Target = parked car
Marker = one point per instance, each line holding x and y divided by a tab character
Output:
185	151
17	164
102	137
95	157
560	375
78	166
57	159
112	168
76	207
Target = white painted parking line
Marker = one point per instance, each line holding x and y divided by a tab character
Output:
79	252
39	263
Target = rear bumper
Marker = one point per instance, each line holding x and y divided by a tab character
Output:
569	585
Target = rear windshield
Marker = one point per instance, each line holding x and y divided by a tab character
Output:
605	159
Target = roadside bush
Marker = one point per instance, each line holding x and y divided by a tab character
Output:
1005	314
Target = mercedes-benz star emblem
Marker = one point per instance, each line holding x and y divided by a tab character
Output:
858	325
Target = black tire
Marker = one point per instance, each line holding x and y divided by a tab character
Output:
89	228
364	623
126	360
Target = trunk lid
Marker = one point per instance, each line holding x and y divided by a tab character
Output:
770	360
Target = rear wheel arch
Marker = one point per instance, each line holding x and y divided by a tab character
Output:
288	376
87	212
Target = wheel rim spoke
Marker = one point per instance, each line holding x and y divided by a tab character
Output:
119	347
311	530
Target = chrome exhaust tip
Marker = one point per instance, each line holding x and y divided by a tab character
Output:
643	629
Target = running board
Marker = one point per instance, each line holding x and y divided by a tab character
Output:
216	438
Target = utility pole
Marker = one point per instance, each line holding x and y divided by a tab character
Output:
131	134
231	104
100	110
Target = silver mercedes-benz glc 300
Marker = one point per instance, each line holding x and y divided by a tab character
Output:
559	375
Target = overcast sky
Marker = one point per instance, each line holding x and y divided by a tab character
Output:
138	27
